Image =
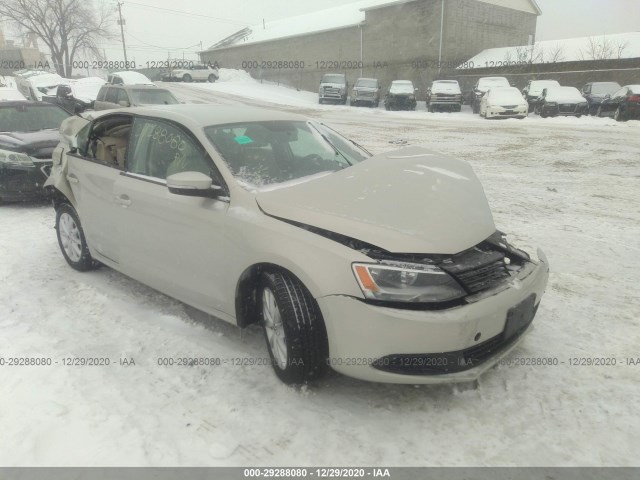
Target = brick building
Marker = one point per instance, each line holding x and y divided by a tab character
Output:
388	40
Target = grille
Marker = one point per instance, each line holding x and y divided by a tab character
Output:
567	108
484	277
510	107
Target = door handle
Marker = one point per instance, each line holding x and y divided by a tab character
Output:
123	200
72	178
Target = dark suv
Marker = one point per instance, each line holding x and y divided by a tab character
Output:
595	93
366	91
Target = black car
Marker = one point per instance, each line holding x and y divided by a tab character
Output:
622	105
77	97
401	96
28	135
595	93
566	101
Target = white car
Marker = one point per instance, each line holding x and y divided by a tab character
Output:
193	73
386	268
504	102
10	94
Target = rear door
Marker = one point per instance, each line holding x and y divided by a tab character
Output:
173	243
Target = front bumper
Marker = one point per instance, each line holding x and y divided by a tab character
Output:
500	112
362	336
401	103
19	183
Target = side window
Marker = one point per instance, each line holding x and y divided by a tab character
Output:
108	140
123	97
101	94
111	95
82	139
159	149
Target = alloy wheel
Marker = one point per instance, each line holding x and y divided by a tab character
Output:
274	328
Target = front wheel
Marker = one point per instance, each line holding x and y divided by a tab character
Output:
618	116
72	240
212	78
186	78
293	328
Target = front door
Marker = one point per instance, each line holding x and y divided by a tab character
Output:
173	243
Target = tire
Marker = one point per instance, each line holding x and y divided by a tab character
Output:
429	109
71	240
618	116
293	329
187	78
212	78
599	112
543	114
476	108
458	109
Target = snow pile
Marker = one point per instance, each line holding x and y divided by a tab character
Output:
604	47
237	76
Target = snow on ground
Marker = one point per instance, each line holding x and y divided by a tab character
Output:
569	186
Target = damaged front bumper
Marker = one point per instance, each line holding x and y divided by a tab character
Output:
392	345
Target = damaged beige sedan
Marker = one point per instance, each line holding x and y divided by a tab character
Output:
386	268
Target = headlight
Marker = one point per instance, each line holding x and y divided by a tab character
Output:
15	159
406	282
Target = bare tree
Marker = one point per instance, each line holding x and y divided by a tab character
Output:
67	27
602	49
556	53
620	47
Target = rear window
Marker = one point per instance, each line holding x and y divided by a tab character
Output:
31	118
152	96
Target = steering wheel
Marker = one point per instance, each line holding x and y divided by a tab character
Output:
315	158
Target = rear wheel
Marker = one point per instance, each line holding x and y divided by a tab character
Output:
293	328
72	241
186	78
618	115
212	78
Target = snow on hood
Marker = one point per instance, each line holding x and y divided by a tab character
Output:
405	201
564	94
402	88
506	96
446	87
491	82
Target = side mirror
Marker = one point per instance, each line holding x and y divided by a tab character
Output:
192	184
124	103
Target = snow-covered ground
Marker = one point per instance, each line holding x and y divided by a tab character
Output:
570	186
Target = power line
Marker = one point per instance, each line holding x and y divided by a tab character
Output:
162	48
191	14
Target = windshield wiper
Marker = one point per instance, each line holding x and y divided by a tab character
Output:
352	141
335	149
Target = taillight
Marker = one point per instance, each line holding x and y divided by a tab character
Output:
634	98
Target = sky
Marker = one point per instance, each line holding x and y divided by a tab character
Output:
158	29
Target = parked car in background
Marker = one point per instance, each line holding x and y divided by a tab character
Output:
192	73
482	85
366	91
566	101
622	105
416	280
118	96
76	96
10	94
503	102
401	96
28	135
444	95
128	78
34	84
534	89
334	87
596	92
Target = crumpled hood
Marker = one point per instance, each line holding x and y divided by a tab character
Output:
38	144
406	201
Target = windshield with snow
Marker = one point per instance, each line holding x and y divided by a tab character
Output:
333	79
30	118
367	83
149	96
402	88
267	153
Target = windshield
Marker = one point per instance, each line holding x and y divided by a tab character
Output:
402	87
486	83
267	153
604	88
31	118
541	85
367	83
333	79
152	96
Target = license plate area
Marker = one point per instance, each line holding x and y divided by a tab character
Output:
519	317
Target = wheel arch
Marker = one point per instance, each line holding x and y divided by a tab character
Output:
246	300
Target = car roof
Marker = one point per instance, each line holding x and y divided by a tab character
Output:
204	115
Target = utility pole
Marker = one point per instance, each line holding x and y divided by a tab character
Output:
121	22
